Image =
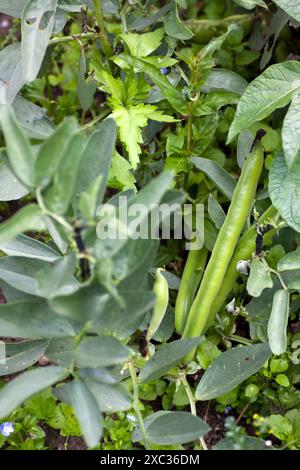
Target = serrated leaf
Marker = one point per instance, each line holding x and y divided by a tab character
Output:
284	189
291	131
223	180
278	321
20	155
86	409
32	320
141	45
26	385
230	369
271	90
29	218
11	73
167	357
291	7
38	19
172	427
30	352
28	247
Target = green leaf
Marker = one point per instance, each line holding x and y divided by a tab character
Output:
26	385
290	261
291	7
110	398
248	443
86	87
96	159
284	189
222	79
59	195
174	27
10	187
282	380
167	357
29	218
278	321
102	351
230	369
120	176
52	152
55	276
271	90
30	352
38	19
223	180
250	4
259	279
19	273
291	131
130	121
89	200
32	118
11	75
19	152
215	211
32	320
87	411
141	45
172	427
28	247
12	7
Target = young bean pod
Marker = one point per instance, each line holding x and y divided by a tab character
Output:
225	244
161	291
191	278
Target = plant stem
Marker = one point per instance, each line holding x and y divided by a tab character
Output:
98	118
240	339
99	17
72	37
135	402
54	216
192	401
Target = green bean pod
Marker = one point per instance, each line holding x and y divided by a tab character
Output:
226	243
244	250
161	291
190	280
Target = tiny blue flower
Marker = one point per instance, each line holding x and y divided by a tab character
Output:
164	70
6	429
228	409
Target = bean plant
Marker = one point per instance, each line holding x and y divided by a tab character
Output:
158	103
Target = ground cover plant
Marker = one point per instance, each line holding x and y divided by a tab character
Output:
136	340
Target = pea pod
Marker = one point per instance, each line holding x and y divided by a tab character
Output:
191	278
225	244
161	290
278	322
244	250
259	279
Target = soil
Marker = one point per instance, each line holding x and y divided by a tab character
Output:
55	441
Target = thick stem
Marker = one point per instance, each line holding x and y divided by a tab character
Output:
99	17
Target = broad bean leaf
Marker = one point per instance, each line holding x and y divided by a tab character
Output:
223	180
29	218
19	151
38	20
271	90
284	189
216	211
86	86
222	79
172	427
57	278
248	443
230	369
101	351
28	247
291	7
32	119
11	73
250	4
110	397
30	352
32	320
10	187
259	278
26	385
12	7
166	358
291	131
290	261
